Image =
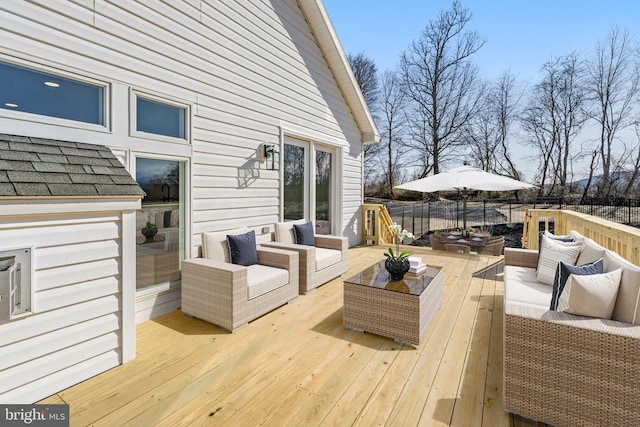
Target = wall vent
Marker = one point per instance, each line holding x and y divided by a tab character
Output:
16	293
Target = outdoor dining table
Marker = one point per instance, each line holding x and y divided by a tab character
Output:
473	240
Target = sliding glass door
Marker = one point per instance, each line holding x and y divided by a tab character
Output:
324	191
296	196
308	177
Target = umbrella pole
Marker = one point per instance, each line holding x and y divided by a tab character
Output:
464	213
465	194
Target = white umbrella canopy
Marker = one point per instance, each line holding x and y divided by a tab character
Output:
464	178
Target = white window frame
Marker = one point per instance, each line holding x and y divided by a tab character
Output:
133	117
162	287
316	141
39	118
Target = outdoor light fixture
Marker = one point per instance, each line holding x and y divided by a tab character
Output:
268	155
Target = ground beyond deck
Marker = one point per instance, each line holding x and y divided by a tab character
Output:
299	366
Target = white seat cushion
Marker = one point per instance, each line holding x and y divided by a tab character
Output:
590	251
284	231
521	286
627	307
215	246
327	257
262	279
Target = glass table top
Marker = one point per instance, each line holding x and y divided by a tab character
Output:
377	277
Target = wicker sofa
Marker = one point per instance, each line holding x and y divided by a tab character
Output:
230	295
564	369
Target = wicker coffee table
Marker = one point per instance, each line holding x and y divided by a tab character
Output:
399	309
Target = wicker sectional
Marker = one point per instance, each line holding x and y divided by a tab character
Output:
567	370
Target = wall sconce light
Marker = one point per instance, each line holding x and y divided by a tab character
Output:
268	155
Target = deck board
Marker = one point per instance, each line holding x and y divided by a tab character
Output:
298	365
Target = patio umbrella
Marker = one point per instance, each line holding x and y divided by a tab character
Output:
463	179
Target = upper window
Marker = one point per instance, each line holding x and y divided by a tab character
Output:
160	118
30	91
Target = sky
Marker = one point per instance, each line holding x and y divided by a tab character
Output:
520	35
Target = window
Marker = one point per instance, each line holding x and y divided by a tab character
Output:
160	118
31	91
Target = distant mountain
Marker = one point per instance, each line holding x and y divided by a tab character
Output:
595	180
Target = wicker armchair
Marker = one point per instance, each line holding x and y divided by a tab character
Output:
326	260
493	247
457	248
436	244
230	295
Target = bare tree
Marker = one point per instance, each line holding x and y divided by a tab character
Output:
569	111
554	118
592	168
392	124
487	134
535	122
366	74
442	83
612	82
634	158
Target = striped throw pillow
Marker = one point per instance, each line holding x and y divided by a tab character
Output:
551	253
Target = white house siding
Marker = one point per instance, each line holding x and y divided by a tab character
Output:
247	69
78	328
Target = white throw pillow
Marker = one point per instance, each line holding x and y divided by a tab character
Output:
551	253
593	296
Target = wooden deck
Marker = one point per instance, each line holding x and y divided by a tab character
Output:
299	366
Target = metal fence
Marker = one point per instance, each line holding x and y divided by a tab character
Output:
422	217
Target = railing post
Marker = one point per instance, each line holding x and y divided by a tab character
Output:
629	211
429	217
403	216
422	219
510	216
413	219
484	212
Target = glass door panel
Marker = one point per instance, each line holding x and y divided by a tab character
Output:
295	182
160	223
323	206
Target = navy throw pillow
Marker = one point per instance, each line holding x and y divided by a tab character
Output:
242	248
304	234
565	270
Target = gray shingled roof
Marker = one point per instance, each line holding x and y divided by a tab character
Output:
47	167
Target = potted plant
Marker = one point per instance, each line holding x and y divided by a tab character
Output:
397	264
149	231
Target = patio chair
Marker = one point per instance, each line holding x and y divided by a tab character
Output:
436	244
326	259
456	247
230	295
492	247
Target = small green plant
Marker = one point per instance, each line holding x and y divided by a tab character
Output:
399	257
150	225
398	236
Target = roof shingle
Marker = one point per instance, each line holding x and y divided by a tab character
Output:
47	167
